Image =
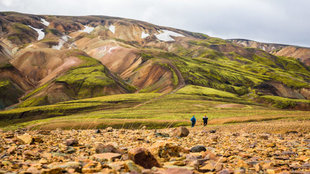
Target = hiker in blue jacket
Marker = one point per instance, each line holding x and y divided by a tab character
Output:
193	121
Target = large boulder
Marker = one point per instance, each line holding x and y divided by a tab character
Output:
180	132
26	138
143	157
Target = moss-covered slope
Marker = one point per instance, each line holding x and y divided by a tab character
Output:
90	79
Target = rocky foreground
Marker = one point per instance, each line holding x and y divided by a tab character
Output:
180	150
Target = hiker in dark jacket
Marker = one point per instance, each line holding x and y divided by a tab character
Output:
193	121
205	120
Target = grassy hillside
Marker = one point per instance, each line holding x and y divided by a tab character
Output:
131	111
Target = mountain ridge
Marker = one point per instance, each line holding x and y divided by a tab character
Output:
80	57
298	52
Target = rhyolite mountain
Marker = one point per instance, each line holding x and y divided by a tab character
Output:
47	59
300	53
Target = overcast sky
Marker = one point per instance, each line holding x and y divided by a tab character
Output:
279	21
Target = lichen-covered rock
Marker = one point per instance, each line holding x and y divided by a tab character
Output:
166	150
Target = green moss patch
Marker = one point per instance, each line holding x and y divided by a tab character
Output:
204	91
9	93
285	103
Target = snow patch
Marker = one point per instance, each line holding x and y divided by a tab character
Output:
88	29
165	35
62	41
39	31
112	28
29	46
102	51
44	22
105	50
111	49
144	35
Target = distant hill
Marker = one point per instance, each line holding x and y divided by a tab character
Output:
300	53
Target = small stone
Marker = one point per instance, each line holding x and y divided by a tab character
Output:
270	171
11	150
132	167
44	132
107	156
225	171
101	148
37	140
117	166
212	131
198	148
179	163
214	138
253	145
70	150
52	171
9	134
97	131
257	167
209	155
180	132
264	137
71	164
193	156
72	142
306	166
271	145
7	163
240	170
162	135
43	161
177	171
28	154
291	132
109	129
235	134
32	170
92	167
211	166
143	157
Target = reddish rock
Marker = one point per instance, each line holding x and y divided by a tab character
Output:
101	148
180	132
143	157
72	142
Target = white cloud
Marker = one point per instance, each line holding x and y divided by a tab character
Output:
6	2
